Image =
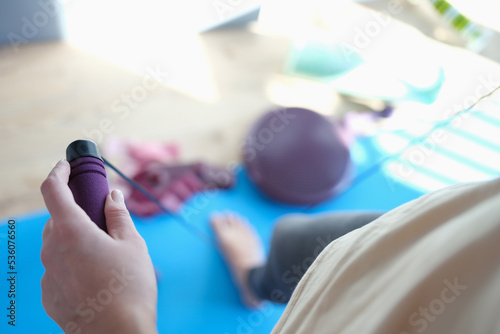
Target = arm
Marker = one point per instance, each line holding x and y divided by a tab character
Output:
94	282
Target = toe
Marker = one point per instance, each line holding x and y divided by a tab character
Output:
217	221
234	219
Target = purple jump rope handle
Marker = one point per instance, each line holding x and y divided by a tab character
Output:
87	180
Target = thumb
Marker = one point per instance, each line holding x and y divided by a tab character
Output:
118	221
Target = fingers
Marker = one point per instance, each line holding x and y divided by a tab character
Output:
49	296
118	221
47	229
58	197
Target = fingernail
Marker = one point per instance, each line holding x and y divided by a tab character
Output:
60	161
117	196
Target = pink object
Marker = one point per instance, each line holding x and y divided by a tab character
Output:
173	185
132	156
355	124
155	167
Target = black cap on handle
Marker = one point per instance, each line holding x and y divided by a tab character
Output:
82	148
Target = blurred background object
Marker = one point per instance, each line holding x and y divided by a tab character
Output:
183	82
469	24
27	21
297	156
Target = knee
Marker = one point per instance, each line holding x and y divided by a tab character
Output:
288	227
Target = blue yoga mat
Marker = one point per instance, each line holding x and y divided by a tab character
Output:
196	294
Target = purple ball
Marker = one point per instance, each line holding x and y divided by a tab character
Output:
296	156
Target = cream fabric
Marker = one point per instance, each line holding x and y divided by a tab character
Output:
429	266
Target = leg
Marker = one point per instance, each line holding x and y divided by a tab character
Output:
297	241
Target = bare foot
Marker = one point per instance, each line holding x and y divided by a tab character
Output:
242	249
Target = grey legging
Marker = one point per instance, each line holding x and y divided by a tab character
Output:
297	240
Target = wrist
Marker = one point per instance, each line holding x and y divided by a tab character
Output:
138	320
131	321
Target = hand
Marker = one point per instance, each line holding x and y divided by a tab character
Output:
94	282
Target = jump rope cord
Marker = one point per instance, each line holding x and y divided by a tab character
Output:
355	181
178	218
